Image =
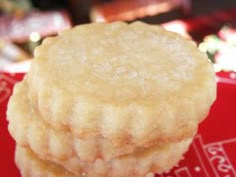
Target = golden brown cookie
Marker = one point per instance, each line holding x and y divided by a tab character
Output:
62	148
133	84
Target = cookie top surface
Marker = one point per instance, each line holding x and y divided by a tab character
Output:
119	62
132	83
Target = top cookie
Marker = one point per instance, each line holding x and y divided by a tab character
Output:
133	83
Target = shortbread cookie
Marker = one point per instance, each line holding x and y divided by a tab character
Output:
62	148
133	84
31	166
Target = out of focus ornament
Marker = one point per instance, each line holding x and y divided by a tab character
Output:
10	53
221	49
44	23
128	10
15	8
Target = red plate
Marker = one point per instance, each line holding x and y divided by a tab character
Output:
212	153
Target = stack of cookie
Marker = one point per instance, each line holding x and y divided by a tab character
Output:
115	100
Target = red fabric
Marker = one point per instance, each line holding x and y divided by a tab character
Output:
212	153
7	144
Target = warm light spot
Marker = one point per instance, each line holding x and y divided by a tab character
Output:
203	47
232	75
178	27
217	67
35	37
197	169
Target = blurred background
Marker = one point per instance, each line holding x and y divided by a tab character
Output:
210	23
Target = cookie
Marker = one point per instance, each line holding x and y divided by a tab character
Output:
133	84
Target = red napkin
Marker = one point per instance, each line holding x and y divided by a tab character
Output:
212	153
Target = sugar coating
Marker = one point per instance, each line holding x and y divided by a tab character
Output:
118	62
